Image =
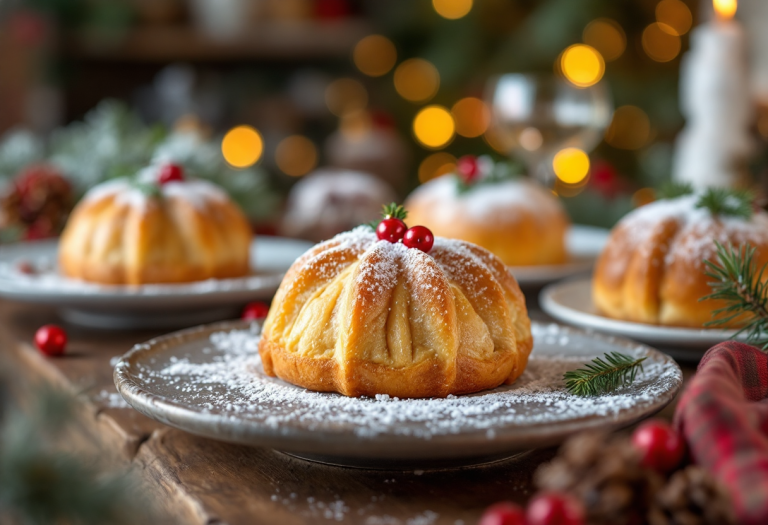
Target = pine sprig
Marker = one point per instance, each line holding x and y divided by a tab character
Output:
738	282
149	189
673	190
603	374
394	211
734	203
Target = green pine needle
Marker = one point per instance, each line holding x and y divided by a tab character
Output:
737	281
149	189
734	203
394	211
603	375
672	190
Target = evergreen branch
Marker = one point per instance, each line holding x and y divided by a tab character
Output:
672	190
603	375
149	189
740	285
734	203
394	211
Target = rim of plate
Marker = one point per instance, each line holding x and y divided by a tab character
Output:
554	301
345	443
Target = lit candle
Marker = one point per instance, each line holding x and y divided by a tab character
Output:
714	147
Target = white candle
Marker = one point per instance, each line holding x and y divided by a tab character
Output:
715	98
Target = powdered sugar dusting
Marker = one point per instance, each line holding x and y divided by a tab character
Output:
226	378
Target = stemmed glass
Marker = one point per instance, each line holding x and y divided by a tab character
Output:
535	116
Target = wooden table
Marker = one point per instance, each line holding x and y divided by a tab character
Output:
200	481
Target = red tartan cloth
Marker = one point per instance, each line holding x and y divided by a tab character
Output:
723	414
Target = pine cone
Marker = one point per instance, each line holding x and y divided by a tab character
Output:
605	473
691	497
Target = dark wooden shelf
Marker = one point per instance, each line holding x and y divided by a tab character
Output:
298	40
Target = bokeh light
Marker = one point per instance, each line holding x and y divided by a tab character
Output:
725	8
582	65
630	128
661	42
435	165
375	55
242	146
495	141
452	9
607	36
531	139
674	14
571	165
643	196
433	126
355	125
296	155
417	80
471	116
344	95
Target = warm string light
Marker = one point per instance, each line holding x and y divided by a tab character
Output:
296	155
452	9
417	80
242	147
436	165
471	116
433	126
675	15
630	128
345	95
607	36
375	55
571	165
725	9
661	42
582	65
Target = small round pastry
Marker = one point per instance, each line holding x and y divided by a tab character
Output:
363	316
652	269
158	228
331	201
519	221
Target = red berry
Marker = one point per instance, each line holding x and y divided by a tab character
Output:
468	168
504	513
391	230
661	447
552	508
419	237
170	173
254	311
51	340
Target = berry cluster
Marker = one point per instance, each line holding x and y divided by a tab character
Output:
170	173
468	168
392	228
660	449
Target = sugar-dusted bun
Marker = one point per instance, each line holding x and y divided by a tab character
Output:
520	222
652	269
177	232
363	317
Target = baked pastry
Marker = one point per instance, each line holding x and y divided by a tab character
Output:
652	269
519	221
331	201
362	317
158	228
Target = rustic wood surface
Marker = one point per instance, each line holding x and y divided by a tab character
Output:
200	481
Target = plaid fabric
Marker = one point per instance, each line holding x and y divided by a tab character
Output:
723	414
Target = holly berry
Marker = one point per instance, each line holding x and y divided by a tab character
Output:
170	173
391	230
504	513
255	311
661	447
51	340
552	508
419	237
468	168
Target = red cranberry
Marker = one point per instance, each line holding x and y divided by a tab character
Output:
255	311
504	513
170	173
468	168
391	230
661	447
419	237
51	340
552	508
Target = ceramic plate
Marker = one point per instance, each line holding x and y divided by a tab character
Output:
209	381
584	245
571	302
133	306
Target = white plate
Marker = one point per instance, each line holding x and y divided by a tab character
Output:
209	381
584	244
571	302
110	306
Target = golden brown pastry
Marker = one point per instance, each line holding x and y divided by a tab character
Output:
363	317
522	223
128	232
652	269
